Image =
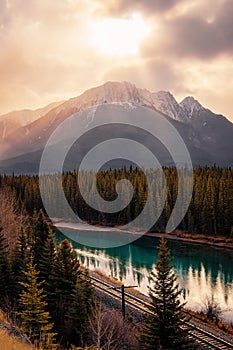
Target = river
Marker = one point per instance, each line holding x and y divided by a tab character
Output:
202	271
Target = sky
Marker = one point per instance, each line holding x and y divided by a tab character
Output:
54	50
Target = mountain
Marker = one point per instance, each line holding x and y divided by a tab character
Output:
12	121
208	136
26	116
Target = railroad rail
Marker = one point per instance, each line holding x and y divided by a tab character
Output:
204	338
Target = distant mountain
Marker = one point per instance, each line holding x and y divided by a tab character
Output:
27	116
208	136
12	121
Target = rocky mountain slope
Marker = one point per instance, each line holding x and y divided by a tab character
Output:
208	136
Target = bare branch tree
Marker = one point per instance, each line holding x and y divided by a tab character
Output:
211	308
11	218
110	332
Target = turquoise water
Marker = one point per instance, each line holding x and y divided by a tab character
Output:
201	271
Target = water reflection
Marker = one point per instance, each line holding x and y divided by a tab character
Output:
202	271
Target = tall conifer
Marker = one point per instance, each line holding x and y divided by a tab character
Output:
35	320
62	283
165	327
6	281
20	259
41	231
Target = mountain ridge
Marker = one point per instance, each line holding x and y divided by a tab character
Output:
204	129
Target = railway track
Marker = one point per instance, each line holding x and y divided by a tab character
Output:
204	338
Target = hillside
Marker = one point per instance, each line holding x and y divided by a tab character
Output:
10	342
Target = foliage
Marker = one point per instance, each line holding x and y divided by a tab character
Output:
80	310
70	296
35	320
40	232
210	211
52	289
165	326
20	258
11	216
6	281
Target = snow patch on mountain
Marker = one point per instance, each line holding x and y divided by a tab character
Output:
165	102
125	92
191	106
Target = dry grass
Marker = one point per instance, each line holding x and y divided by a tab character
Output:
115	281
108	278
12	343
219	326
9	342
209	238
3	317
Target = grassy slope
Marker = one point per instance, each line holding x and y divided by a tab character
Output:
8	342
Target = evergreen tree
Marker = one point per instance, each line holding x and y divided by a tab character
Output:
35	320
62	282
210	211
20	259
41	231
80	310
164	328
6	281
45	265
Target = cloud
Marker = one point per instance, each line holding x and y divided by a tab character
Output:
46	52
154	75
195	36
43	53
123	7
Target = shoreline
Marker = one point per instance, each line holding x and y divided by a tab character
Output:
219	242
209	241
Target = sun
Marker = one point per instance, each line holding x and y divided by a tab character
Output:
119	36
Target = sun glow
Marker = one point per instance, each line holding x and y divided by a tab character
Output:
117	36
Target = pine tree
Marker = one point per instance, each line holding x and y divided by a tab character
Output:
20	259
47	259
80	310
6	281
35	320
62	282
41	231
164	328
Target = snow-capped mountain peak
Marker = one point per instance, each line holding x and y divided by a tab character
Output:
108	93
118	92
191	106
165	102
208	136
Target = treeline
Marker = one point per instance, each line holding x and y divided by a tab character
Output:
210	211
43	288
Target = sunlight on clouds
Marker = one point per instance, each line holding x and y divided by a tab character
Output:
55	50
203	9
209	83
119	36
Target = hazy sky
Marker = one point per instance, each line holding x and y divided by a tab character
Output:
52	50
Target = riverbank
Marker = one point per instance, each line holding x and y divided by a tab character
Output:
216	241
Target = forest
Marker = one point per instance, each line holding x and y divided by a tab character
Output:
48	299
210	211
44	290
